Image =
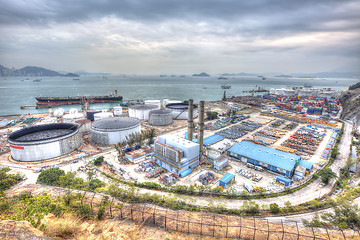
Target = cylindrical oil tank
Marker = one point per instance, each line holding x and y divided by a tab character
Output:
59	112
141	111
90	114
117	111
43	142
160	117
168	101
102	115
153	102
72	117
180	110
73	111
114	130
84	125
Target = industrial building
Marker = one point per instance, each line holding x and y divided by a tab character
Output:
215	152
180	111
268	158
114	130
227	180
43	142
141	111
176	154
160	117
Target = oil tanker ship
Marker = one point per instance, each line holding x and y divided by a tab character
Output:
58	101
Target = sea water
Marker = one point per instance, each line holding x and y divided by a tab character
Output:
21	91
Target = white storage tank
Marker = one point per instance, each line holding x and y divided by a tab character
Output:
153	102
72	117
114	130
84	125
180	111
90	114
102	115
59	112
43	142
168	101
117	111
160	117
73	111
141	111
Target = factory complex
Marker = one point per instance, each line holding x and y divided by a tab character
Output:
246	148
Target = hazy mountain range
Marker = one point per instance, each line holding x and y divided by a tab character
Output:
32	71
39	71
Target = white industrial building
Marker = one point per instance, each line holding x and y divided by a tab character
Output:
176	154
216	153
114	130
303	92
44	141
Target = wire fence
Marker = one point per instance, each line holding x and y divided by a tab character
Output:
209	224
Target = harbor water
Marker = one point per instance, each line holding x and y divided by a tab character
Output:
21	91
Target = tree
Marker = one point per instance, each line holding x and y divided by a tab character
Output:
95	183
274	208
50	176
250	207
211	115
150	135
98	161
326	175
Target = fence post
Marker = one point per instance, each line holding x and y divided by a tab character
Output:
92	202
202	214
343	233
142	214
131	211
283	232
177	220
121	214
313	232
227	226
154	215
297	227
268	236
214	226
112	201
240	227
165	219
254	229
328	233
189	222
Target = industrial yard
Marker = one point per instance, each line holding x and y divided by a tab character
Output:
285	145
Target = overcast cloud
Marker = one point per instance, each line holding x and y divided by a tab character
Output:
187	36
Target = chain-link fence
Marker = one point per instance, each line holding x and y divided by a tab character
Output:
209	224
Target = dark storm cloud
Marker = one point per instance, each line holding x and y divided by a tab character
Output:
248	16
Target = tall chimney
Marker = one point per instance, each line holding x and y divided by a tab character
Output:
201	128
190	120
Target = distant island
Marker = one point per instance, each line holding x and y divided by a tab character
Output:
283	75
71	75
32	71
201	75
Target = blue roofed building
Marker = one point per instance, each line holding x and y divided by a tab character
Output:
268	158
212	139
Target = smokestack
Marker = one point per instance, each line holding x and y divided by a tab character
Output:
201	128
190	120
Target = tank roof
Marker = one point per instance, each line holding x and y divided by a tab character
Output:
43	132
115	123
143	106
179	106
160	111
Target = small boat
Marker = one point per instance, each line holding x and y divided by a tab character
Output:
223	78
263	78
37	80
225	86
307	85
76	79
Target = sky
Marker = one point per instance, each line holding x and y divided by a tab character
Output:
181	36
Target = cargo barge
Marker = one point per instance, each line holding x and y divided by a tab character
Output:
58	101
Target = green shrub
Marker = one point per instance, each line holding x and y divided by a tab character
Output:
101	213
98	161
274	208
50	176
